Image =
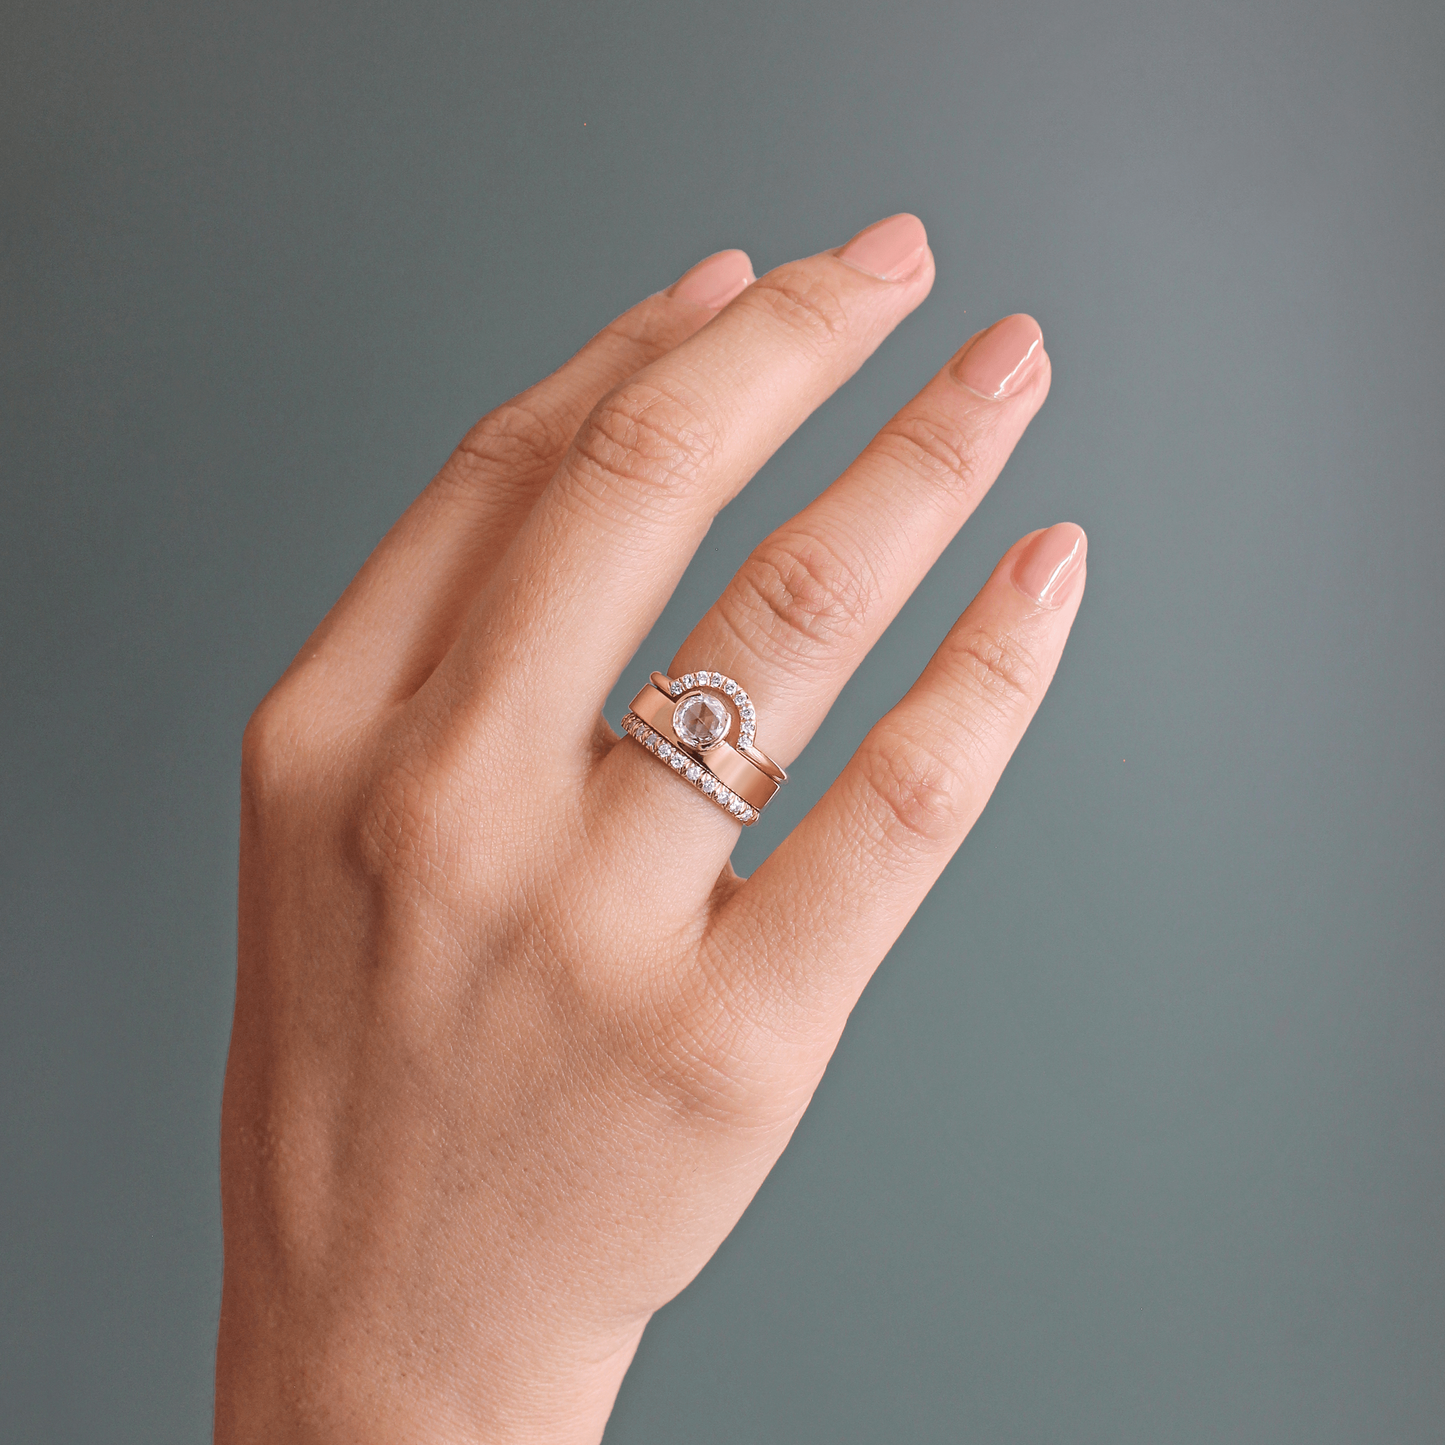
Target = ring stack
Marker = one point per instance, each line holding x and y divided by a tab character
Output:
685	722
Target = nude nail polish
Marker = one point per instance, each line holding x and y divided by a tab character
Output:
997	362
715	281
891	250
1048	568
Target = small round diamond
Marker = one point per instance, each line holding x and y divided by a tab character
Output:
676	686
677	760
729	686
664	750
709	783
688	681
693	772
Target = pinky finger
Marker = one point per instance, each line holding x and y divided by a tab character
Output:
817	918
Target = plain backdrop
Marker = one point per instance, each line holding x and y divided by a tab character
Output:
1138	1137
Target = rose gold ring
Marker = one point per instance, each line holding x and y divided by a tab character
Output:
686	721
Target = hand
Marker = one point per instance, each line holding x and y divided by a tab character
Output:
514	1046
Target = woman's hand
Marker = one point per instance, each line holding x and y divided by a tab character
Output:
514	1046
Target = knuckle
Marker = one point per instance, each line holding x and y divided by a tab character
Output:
518	437
270	753
645	332
399	827
648	437
999	673
797	596
938	449
803	302
912	797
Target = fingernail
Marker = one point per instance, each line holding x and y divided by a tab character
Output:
891	250
998	361
1049	566
715	281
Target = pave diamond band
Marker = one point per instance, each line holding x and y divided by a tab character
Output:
686	722
700	777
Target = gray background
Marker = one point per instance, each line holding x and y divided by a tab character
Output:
1139	1135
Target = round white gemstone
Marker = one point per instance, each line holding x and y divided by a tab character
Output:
709	783
693	772
687	681
676	686
664	750
700	720
729	686
677	760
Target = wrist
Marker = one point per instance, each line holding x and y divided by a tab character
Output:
354	1385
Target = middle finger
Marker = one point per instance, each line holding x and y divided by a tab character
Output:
812	599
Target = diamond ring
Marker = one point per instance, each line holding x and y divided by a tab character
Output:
686	723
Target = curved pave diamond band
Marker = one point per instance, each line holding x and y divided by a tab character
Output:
685	722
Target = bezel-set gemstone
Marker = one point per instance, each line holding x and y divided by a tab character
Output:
701	720
735	694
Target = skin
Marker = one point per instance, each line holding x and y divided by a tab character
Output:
514	1046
